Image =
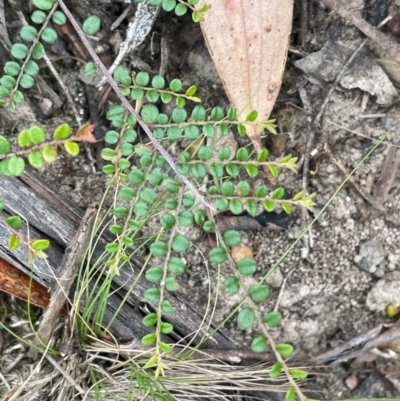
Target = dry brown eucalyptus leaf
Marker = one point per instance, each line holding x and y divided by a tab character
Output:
248	42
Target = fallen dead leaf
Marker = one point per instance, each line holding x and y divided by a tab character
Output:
248	42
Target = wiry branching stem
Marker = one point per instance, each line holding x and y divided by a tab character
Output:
129	108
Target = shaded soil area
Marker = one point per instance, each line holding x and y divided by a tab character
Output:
338	285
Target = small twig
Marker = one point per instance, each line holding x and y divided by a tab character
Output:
352	181
131	110
118	21
282	290
377	337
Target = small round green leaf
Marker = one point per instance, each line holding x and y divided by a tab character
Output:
232	237
5	145
269	205
298	374
247	266
158	248
38	51
290	394
36	159
175	85
246	318
227	188
152	294
49	153
272	319
12	68
28	33
217	255
275	370
154	274
13	242
14	222
72	148
91	25
236	206
186	218
167	221
149	113
258	293
26	81
149	339
167	307
31	68
63	131
166	328
171	284
142	78
49	35
90	68
112	137
180	243
259	344
19	50
38	16
176	265
43	4
158	82
121	212
232	285
59	18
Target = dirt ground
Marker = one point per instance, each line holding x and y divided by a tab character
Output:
340	287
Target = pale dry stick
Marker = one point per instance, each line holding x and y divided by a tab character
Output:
317	123
131	110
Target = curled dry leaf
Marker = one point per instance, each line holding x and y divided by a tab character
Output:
248	42
16	283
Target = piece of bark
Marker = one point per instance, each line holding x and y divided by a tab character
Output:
20	285
69	266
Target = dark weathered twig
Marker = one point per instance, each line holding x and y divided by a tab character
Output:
377	337
387	43
69	266
303	22
129	108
